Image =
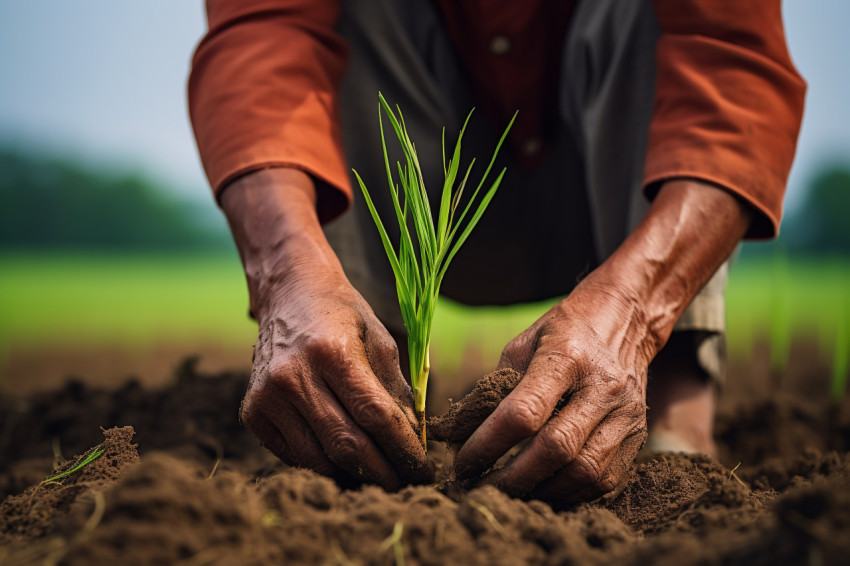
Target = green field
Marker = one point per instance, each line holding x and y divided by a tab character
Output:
127	300
85	299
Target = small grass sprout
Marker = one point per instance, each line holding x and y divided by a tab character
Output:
734	476
419	275
83	461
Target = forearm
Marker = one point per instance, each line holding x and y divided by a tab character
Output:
691	228
272	215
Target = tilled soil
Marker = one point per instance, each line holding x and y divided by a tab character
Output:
189	485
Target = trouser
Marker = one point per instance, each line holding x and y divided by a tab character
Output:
545	229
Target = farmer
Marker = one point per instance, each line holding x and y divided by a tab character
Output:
651	138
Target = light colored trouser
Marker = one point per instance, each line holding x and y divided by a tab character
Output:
547	228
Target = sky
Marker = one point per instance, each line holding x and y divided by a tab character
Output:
104	80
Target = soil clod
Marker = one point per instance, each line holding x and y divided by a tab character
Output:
466	415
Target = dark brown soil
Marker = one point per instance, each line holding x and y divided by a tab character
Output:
204	492
460	421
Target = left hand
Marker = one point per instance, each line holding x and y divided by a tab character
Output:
592	348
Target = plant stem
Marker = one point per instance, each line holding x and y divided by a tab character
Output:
420	390
420	384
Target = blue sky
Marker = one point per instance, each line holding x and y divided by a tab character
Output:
105	81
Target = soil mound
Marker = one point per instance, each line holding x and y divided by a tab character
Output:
42	507
200	490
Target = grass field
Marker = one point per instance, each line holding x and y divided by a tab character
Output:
131	300
90	300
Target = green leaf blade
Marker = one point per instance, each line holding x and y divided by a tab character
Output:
419	275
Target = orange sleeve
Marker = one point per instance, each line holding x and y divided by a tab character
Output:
263	93
728	102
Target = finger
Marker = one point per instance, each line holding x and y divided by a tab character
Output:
520	415
375	412
308	453
382	355
557	444
616	479
344	442
598	469
289	438
271	438
341	440
305	448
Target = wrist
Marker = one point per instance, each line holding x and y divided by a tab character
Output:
654	294
272	216
691	228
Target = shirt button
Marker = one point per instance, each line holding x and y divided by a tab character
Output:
531	146
500	44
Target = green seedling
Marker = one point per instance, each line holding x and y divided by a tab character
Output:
418	276
81	463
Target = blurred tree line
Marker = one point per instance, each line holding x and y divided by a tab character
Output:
48	203
822	224
56	204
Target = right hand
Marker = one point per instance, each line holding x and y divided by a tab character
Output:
326	390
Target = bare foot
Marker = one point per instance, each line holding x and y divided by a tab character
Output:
681	402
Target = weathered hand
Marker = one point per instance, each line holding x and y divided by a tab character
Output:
592	349
326	390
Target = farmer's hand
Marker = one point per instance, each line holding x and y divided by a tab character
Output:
594	347
326	390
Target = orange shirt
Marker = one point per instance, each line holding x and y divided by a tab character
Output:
728	100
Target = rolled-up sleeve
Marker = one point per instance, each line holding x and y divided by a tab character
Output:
263	93
728	102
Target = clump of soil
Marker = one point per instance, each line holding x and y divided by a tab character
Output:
463	417
205	492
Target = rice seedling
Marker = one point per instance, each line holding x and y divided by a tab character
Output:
419	276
